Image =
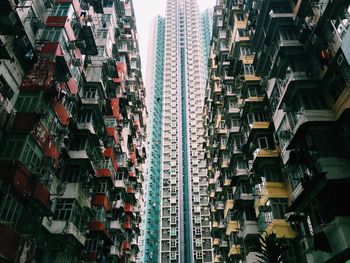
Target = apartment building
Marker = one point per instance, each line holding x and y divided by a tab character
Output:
151	227
277	130
72	131
181	203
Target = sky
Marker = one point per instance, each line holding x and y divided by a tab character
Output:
145	10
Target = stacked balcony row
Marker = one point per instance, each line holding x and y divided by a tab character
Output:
72	132
277	130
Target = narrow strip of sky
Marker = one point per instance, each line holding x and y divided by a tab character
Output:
147	9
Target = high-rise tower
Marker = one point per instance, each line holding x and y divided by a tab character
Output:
152	184
184	225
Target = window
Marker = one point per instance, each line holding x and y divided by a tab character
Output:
60	10
271	174
240	17
249	69
199	254
173	231
27	103
73	174
79	144
85	117
249	213
198	242
108	3
263	143
197	231
10	210
245	51
197	219
90	93
63	210
279	207
288	33
311	99
257	117
102	186
5	89
91	245
52	34
101	50
243	33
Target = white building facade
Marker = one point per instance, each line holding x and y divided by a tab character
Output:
184	214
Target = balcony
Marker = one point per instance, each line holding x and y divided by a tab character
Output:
300	120
215	224
255	99
102	199
249	228
271	190
76	191
338	239
105	168
234	250
223	243
233	110
115	225
219	205
260	155
89	126
119	184
114	251
217	259
281	228
66	227
228	205
216	241
259	126
10	23
91	100
227	181
86	41
232	226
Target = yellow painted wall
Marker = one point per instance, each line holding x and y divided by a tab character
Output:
281	228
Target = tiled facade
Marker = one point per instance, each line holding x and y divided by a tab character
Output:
277	129
72	131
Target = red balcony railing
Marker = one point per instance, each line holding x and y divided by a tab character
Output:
112	132
115	108
101	200
29	122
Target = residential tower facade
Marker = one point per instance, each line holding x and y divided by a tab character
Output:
184	226
277	129
154	84
72	129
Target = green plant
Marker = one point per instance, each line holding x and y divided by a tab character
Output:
271	249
